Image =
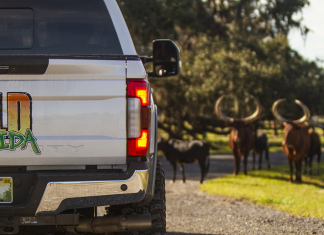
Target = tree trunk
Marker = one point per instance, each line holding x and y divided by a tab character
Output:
274	127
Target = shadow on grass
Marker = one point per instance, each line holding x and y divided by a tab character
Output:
282	173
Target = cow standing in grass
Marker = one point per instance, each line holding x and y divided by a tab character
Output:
315	149
241	140
297	141
182	151
261	145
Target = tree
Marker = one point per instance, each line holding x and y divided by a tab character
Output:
237	47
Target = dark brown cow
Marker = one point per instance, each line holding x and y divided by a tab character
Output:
241	140
297	141
261	145
315	149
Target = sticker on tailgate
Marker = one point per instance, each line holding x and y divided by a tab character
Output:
18	131
5	190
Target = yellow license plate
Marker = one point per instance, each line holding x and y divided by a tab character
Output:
6	190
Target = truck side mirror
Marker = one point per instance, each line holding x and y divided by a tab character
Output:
166	58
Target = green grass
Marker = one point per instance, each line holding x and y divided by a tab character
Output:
271	188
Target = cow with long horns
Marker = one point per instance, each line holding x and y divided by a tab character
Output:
241	139
297	141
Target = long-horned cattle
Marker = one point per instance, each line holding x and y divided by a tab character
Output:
183	151
297	141
241	139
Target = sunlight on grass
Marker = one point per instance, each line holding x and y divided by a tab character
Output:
272	188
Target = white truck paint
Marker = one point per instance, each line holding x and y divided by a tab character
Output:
78	113
121	28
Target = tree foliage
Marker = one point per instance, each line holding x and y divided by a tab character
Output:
233	47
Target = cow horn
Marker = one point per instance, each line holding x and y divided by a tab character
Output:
306	112
249	119
280	118
256	114
275	111
219	112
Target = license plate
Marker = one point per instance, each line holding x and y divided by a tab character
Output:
5	189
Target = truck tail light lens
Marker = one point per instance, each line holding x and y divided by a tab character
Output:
139	117
139	146
139	89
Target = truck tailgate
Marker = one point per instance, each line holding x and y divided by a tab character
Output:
74	114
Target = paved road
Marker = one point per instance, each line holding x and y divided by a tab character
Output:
190	211
220	165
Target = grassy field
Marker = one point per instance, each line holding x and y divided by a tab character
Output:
271	188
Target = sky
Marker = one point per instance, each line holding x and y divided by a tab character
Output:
313	18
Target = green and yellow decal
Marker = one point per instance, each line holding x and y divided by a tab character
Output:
18	133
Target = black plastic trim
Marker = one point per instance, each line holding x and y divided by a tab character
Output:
24	65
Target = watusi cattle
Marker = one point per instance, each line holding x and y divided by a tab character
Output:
182	151
315	149
261	145
241	139
297	141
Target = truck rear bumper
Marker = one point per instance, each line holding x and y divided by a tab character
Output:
61	194
45	193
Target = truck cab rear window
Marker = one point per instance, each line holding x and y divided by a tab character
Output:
16	28
57	28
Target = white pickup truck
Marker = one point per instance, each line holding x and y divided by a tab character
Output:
78	121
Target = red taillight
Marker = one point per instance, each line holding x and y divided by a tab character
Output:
139	89
139	146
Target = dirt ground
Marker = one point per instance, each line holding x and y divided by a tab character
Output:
190	211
